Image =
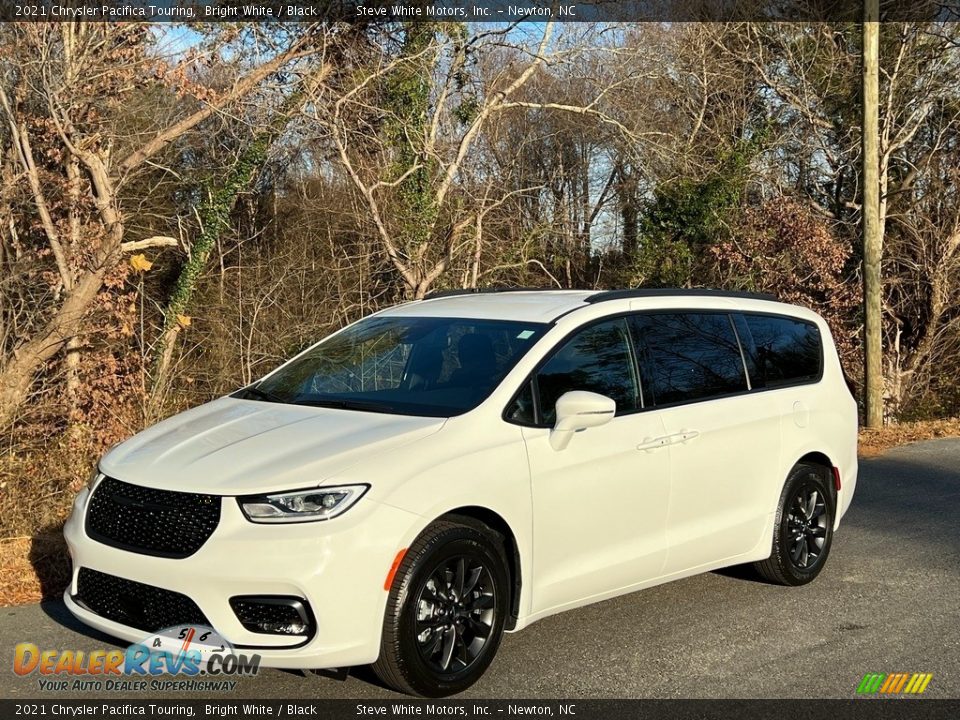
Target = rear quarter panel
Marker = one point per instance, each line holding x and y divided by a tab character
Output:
822	418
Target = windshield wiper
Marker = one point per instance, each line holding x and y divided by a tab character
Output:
347	405
262	394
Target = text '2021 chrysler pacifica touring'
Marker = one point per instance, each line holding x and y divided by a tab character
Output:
414	485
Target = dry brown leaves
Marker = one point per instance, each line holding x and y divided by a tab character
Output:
876	442
33	569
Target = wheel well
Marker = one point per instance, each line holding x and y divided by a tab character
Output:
496	522
818	458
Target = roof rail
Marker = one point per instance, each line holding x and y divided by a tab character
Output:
478	291
605	295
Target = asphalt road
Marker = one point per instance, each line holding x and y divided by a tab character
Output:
888	601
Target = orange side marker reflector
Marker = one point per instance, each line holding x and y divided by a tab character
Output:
393	569
836	479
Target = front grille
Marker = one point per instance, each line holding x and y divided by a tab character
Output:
151	522
135	604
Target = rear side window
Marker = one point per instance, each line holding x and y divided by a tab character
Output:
786	351
689	356
596	359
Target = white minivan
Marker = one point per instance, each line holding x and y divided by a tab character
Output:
442	471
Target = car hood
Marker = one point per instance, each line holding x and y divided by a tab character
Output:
236	447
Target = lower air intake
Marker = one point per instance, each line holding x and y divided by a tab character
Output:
135	604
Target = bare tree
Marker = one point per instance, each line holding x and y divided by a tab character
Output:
810	80
427	156
63	79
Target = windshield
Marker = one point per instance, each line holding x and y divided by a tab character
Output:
428	366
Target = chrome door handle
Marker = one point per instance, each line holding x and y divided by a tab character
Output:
684	436
651	444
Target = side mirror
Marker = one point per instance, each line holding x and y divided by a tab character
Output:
578	410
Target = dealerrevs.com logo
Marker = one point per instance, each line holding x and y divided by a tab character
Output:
188	650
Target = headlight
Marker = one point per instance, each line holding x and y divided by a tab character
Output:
301	505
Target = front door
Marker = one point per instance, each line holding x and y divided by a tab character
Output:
600	504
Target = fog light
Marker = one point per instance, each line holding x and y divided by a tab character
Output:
273	615
295	628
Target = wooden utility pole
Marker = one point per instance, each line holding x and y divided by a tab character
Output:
872	229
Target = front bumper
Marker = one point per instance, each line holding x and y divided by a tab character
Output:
338	566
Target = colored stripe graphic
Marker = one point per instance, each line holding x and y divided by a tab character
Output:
871	682
894	683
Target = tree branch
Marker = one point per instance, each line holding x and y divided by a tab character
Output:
150	242
240	88
21	142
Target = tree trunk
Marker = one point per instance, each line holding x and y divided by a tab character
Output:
629	211
18	374
872	229
215	214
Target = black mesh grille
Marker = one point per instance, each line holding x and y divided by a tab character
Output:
149	521
134	604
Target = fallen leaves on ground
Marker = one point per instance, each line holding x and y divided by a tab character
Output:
33	568
876	442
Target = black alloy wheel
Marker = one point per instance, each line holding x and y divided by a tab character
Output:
446	609
807	527
803	528
455	614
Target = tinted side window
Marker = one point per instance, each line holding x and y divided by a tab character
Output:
689	356
787	351
596	359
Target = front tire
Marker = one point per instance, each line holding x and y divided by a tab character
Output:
446	610
803	530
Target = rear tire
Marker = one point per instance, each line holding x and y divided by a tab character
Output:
446	610
803	529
